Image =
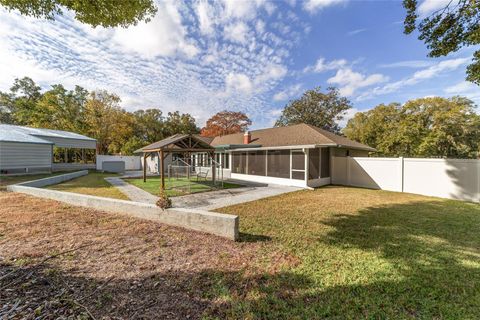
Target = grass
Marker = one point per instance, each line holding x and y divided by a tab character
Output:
8	180
92	184
362	254
335	252
178	187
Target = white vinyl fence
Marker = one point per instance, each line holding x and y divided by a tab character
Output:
131	162
446	178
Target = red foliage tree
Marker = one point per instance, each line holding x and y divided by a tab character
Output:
226	122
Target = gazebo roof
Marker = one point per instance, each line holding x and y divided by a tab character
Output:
179	143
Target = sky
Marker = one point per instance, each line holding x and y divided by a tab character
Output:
202	57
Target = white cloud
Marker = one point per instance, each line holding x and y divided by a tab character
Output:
238	82
466	89
421	75
243	9
203	10
429	6
163	36
313	6
288	93
408	64
322	66
271	72
355	32
236	32
349	81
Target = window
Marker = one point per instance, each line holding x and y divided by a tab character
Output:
256	163
278	163
314	163
325	165
239	162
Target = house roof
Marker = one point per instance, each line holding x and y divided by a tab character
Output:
12	133
175	142
295	135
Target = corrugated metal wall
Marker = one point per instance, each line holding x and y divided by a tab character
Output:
14	155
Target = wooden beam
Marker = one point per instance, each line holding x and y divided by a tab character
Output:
162	169
144	167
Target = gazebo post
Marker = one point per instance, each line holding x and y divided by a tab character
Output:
212	154
144	167
162	169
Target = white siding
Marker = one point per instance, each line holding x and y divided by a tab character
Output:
14	155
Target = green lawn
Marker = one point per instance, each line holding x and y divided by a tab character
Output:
354	253
92	184
178	187
7	180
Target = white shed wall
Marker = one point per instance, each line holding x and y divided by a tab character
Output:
131	162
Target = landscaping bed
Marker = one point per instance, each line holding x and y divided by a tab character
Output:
329	253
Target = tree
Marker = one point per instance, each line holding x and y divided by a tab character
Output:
426	127
107	122
149	125
177	122
448	29
19	104
106	13
316	108
226	122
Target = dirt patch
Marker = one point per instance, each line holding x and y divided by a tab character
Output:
58	260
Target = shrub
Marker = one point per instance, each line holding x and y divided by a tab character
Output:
164	201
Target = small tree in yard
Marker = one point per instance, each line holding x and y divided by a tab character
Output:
164	200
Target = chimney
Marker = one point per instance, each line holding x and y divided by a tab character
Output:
247	137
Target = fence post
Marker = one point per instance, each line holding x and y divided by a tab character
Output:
402	174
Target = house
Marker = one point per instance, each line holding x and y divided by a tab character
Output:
29	150
298	155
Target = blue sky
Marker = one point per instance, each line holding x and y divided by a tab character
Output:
253	56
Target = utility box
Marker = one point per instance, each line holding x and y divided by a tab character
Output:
113	166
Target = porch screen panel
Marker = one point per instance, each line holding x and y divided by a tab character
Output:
298	175
325	166
298	160
278	163
314	164
239	162
226	161
256	163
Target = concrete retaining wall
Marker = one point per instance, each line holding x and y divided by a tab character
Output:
224	225
53	180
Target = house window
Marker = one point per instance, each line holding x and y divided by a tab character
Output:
314	163
278	163
325	165
256	163
239	162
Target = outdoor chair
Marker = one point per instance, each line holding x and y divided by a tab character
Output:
202	175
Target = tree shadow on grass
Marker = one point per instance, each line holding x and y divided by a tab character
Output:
432	247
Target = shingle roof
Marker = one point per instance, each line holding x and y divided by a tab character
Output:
295	135
14	133
172	140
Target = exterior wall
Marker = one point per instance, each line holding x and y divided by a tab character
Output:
226	172
446	178
25	156
71	143
131	162
153	164
270	180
